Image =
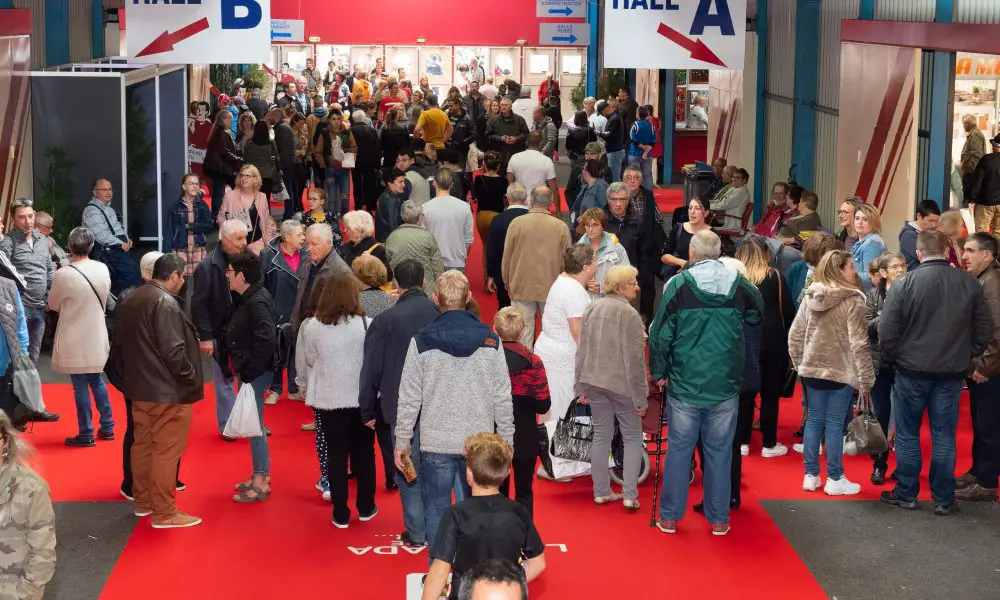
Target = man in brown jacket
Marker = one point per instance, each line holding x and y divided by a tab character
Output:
532	259
158	347
980	482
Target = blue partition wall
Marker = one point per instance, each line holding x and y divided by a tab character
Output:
173	144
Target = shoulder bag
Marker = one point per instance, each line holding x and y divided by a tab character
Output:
864	433
277	177
791	376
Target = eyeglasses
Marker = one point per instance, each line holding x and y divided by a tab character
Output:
844	212
247	175
897	267
104	189
618	199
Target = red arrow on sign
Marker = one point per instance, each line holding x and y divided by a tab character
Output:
166	40
698	50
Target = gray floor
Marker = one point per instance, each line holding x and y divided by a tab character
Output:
90	537
865	550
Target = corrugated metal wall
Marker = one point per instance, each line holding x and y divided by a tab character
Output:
828	95
781	82
80	32
751	9
924	122
905	10
977	11
37	30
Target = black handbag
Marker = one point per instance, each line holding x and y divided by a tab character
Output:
791	376
572	439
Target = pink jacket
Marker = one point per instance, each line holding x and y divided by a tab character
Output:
261	230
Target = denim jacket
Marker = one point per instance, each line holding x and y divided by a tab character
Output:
179	223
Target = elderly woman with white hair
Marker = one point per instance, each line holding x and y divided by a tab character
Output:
360	227
284	263
412	240
611	377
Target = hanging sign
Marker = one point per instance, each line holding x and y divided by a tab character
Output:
199	31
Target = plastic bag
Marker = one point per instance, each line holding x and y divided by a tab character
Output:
864	434
244	421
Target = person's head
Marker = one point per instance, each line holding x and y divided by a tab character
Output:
309	63
202	109
580	119
588	105
474	87
190	185
980	252
243	271
370	271
624	93
13	450
633	179
80	242
293	234
405	159
505	106
727	174
291	88
409	274
705	245
578	261
487	459
593	221
103	190
451	291
494	107
928	214
493	579
359	225
752	252
778	192
23	212
643	112
423	81
607	107
167	270
593	151
492	160
443	181
848	208
718	165
968	123
319	241
817	244
618	196
223	121
808	203
448	158
621	280
534	140
875	269
517	194
794	197
412	213
233	236
541	197
395	181
866	220
147	262
836	269
593	170
741	177
432	100
698	209
538	114
44	223
317	200
892	266
951	224
508	323
700	100
337	298
249	179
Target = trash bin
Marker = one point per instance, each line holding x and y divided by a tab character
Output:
696	183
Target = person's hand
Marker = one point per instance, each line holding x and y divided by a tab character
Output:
972	207
398	458
661	383
641	413
979	377
582	400
491	285
207	347
395	293
127	246
594	286
370	424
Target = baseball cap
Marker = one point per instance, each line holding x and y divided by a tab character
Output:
593	148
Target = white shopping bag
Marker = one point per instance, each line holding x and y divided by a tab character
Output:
244	422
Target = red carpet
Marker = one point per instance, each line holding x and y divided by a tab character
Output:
286	548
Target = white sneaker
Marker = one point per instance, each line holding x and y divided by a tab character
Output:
744	449
811	483
326	496
297	396
800	449
271	398
841	487
779	449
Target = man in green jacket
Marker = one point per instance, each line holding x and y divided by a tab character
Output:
696	344
412	240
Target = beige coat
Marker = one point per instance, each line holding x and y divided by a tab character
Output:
611	354
829	337
533	254
81	343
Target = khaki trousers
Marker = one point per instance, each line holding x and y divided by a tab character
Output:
987	218
529	309
161	434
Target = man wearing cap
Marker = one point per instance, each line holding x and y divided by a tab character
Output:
985	204
592	151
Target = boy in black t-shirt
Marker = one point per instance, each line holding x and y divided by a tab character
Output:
486	525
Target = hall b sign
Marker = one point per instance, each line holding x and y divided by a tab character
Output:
198	31
674	34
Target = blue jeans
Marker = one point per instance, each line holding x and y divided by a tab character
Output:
36	330
225	395
439	472
615	162
338	189
259	454
411	495
910	397
882	402
646	166
828	411
82	385
717	426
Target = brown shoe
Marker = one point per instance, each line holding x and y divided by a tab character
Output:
308	426
964	481
976	493
178	521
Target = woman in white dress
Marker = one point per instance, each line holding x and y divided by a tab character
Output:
556	346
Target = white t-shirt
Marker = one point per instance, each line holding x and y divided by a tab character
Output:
450	220
531	168
567	299
600	124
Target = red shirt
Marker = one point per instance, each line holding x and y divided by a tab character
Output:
292	259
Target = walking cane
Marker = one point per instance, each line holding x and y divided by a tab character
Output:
659	453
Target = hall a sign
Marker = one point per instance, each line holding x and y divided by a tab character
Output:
977	66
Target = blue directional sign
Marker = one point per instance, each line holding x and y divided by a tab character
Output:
564	34
575	9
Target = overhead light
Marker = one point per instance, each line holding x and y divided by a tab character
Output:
313	39
421	40
522	42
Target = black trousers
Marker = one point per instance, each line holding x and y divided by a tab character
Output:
773	367
647	298
292	179
383	433
366	192
503	297
524	477
985	407
127	442
347	437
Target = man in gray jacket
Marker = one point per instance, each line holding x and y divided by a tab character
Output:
28	251
455	379
934	322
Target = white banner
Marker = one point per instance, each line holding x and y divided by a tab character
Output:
212	32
